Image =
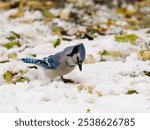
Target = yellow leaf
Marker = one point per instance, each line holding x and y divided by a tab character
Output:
18	14
8	76
12	55
145	55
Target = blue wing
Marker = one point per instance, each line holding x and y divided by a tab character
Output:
49	62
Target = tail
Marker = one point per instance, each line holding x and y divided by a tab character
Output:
31	61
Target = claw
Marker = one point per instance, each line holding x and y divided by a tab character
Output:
67	80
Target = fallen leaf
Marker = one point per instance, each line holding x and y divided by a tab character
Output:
88	111
57	42
147	73
90	60
58	31
8	76
109	23
80	87
13	36
99	93
18	14
90	89
132	92
5	5
4	61
47	14
23	72
22	79
10	45
64	15
132	38
145	55
12	55
111	53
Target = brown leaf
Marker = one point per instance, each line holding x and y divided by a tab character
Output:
99	93
90	60
145	55
18	14
80	87
90	89
64	15
132	92
5	5
88	111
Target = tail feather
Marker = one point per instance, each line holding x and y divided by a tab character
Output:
30	60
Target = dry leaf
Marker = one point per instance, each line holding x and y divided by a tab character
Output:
8	76
18	14
132	92
5	5
10	45
90	60
13	36
145	55
111	53
99	93
90	89
12	55
22	79
4	61
109	23
64	15
88	111
132	38
80	87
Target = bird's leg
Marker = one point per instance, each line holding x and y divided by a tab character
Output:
67	80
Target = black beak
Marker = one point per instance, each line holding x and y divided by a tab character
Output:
80	66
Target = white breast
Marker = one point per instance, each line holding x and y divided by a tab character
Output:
58	72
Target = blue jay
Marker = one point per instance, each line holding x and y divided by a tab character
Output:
62	62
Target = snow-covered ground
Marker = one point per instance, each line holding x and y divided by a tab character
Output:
102	87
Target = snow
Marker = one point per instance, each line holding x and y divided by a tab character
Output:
112	79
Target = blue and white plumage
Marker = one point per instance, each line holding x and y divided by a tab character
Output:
62	62
47	62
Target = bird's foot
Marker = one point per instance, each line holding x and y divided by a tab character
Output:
67	80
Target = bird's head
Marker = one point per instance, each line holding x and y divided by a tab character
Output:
77	56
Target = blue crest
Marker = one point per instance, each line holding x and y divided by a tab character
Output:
81	50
